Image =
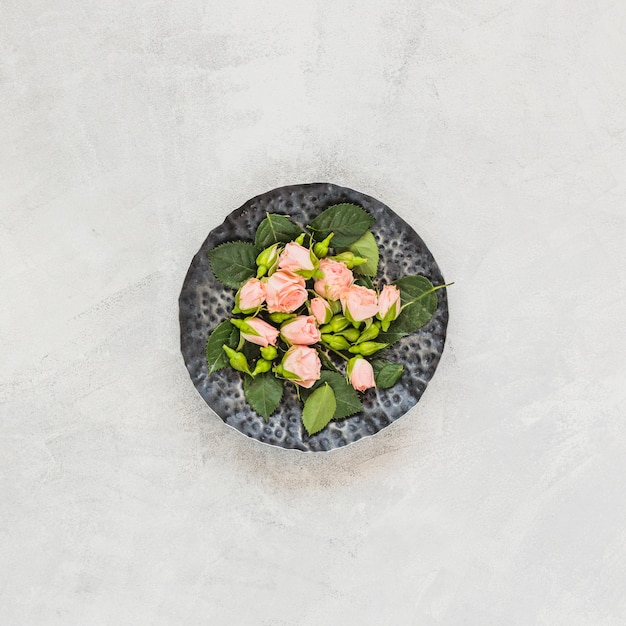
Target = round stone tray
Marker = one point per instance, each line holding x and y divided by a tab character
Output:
204	302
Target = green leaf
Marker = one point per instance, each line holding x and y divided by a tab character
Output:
419	302
386	373
251	351
364	281
275	228
263	393
348	402
319	409
233	262
366	247
347	221
391	336
216	357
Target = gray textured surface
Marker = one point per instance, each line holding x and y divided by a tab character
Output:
129	130
204	302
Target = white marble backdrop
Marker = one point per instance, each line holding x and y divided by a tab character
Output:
128	130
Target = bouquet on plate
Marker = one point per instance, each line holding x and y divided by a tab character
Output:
307	312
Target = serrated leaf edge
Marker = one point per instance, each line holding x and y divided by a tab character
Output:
221	357
221	245
265	418
268	217
352	412
319	430
351	204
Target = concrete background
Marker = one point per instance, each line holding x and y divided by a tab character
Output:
128	130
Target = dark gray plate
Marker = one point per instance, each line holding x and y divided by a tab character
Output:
204	302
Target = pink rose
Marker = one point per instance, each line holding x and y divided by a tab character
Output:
321	310
259	332
359	303
302	365
284	292
361	373
336	278
389	303
301	330
295	258
251	295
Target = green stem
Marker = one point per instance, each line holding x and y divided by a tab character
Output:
425	294
442	286
343	356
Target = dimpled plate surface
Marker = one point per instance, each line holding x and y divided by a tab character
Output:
204	302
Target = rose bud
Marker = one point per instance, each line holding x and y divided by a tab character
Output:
269	353
336	342
301	365
321	310
359	303
279	318
284	292
237	360
336	278
261	367
361	373
256	331
302	331
351	334
250	297
389	305
371	332
349	259
296	258
321	249
368	348
267	260
338	323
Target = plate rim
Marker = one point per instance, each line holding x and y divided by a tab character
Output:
236	213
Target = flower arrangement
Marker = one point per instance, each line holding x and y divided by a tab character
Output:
307	312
